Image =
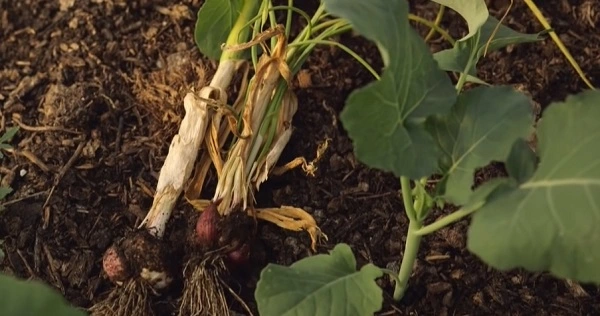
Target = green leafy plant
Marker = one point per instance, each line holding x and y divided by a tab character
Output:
415	123
327	283
20	297
4	144
6	138
4	191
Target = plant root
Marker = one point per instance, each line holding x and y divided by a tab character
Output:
203	292
309	168
131	299
294	219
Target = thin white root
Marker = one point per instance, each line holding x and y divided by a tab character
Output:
308	167
203	292
183	151
131	299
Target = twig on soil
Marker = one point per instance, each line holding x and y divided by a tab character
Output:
53	270
331	111
70	162
395	311
31	157
145	187
64	169
576	289
238	298
561	46
119	135
37	252
44	128
432	258
46	217
25	85
374	196
27	266
23	198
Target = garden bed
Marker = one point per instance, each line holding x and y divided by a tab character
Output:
97	87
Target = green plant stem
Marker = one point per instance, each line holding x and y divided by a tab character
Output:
413	241
421	198
411	249
296	61
462	79
239	31
407	198
433	26
448	219
288	21
306	32
436	22
273	21
342	47
563	49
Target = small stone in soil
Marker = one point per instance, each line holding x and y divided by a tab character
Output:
293	244
334	205
447	300
438	287
319	215
336	162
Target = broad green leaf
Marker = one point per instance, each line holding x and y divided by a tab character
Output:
551	222
485	190
521	162
457	58
386	118
476	80
213	25
475	12
482	127
320	285
21	297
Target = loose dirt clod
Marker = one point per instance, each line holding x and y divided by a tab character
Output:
146	256
114	265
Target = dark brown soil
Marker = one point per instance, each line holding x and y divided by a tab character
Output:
98	89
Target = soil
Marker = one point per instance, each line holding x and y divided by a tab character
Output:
97	88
